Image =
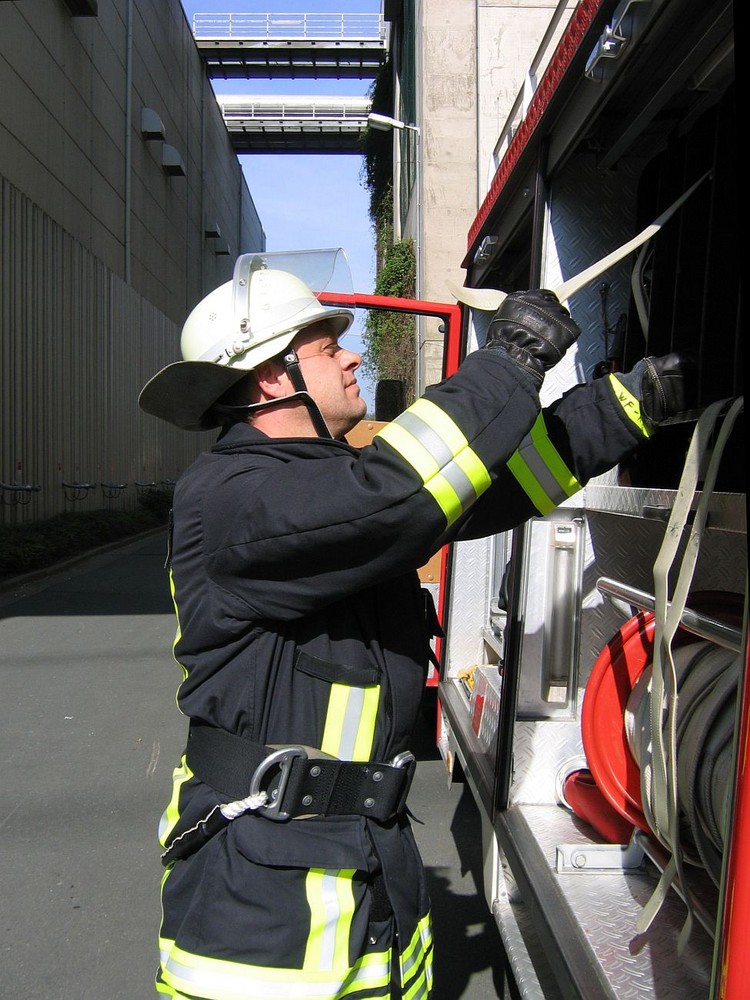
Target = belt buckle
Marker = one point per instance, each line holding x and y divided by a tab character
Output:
408	762
282	758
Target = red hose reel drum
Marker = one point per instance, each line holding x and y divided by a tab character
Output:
618	667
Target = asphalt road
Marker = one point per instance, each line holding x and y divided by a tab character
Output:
89	734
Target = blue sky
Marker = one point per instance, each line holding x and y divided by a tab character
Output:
308	201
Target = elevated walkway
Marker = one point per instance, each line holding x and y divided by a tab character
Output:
288	124
292	46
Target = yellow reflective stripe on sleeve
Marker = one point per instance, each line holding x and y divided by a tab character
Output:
529	485
350	721
540	471
436	448
418	457
171	814
446	498
424	464
630	405
331	900
551	457
441	423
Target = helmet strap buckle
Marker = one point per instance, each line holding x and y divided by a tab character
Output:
290	360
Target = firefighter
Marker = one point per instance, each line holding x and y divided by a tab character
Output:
291	867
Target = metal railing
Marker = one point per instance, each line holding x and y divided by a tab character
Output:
308	109
302	26
521	104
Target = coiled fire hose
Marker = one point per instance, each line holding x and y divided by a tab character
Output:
659	785
707	679
668	766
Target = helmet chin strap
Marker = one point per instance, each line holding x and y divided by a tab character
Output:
291	365
290	361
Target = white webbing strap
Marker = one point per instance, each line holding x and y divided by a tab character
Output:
490	299
659	772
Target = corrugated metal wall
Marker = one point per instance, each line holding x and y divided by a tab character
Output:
77	345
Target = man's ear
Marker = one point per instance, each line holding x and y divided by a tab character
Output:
268	375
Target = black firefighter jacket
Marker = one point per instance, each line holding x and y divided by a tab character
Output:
301	621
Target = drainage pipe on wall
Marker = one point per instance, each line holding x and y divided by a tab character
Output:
128	137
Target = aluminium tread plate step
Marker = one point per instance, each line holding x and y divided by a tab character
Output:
585	921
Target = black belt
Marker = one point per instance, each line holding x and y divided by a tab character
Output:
297	782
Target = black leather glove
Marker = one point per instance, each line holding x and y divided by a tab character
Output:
664	386
534	329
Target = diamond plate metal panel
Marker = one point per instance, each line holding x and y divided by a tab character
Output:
606	907
531	972
624	549
540	751
580	231
469	605
726	511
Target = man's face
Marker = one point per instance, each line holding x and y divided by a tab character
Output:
328	370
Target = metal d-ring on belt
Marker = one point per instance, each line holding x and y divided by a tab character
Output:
286	782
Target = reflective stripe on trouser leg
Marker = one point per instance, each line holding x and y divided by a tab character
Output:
331	901
218	979
540	471
435	447
338	953
416	962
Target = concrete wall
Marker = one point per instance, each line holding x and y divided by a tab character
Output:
510	32
446	42
102	252
70	139
472	57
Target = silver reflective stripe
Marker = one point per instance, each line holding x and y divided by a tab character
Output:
330	897
541	471
219	979
440	452
350	723
427	436
416	959
332	911
428	439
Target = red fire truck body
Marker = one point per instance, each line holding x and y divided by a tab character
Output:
615	835
550	628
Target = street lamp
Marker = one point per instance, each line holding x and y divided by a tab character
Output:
384	123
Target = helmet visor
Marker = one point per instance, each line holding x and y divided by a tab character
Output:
320	270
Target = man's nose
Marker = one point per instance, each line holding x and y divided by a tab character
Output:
350	360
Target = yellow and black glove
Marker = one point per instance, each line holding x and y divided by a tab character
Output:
664	387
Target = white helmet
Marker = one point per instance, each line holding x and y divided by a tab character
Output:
235	328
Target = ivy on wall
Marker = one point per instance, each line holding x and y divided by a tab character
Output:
377	146
389	338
